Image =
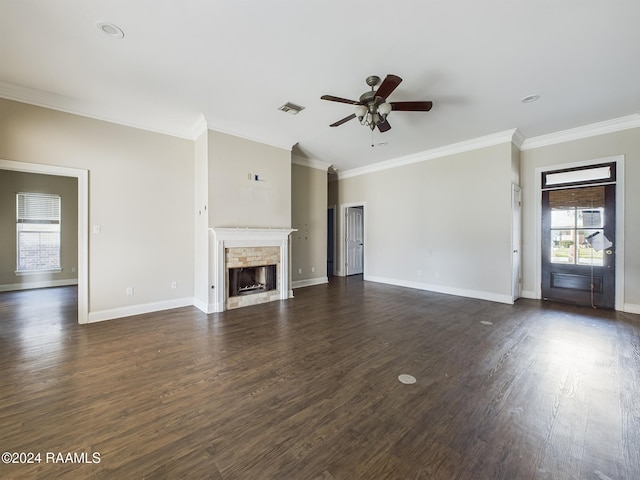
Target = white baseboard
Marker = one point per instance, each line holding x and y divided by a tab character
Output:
528	294
309	282
460	292
39	284
631	308
110	314
202	306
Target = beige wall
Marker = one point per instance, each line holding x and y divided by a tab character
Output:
140	194
235	200
12	182
625	143
309	217
442	224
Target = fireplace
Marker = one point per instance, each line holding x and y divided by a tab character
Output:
249	266
252	280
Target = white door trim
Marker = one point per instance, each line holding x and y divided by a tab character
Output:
83	221
619	161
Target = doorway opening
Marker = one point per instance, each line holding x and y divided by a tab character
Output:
82	233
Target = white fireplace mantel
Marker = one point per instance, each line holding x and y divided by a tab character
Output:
221	238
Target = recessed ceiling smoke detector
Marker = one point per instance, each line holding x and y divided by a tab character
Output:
531	98
291	108
110	29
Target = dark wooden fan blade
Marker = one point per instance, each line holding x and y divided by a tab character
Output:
331	98
411	106
344	120
384	126
389	84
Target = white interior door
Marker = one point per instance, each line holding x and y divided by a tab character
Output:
516	242
355	240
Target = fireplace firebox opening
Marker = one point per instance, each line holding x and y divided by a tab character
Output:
249	280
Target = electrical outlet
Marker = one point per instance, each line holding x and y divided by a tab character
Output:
174	284
129	291
313	269
299	271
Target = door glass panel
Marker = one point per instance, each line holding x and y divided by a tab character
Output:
586	254
591	218
565	218
563	246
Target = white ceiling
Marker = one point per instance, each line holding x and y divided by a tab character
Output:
236	62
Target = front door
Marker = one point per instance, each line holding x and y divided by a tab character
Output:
578	244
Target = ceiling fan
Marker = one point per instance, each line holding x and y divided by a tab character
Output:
372	108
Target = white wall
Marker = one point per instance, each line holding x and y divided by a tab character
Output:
443	224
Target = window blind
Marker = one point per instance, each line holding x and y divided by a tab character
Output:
38	208
586	197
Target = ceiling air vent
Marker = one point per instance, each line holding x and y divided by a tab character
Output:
291	108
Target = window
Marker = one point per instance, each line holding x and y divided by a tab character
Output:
577	215
38	231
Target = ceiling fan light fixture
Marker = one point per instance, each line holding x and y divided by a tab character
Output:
360	111
384	109
372	108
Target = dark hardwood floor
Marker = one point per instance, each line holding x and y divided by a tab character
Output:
308	389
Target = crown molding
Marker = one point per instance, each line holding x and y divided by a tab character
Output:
518	138
311	163
592	130
455	148
60	103
199	127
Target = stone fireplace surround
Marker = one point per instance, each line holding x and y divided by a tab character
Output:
236	247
